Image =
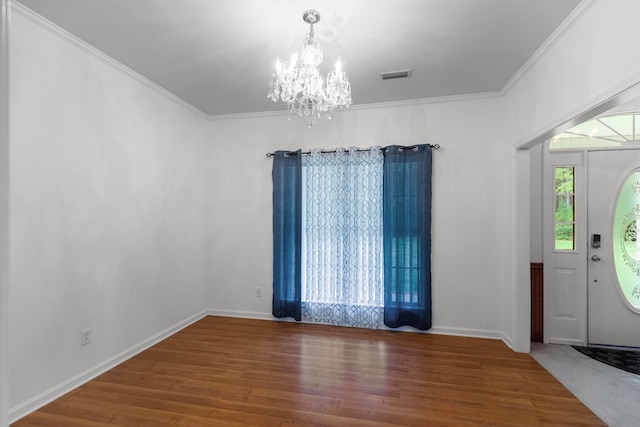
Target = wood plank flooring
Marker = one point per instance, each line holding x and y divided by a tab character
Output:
242	372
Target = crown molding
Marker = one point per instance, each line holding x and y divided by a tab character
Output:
557	35
253	115
427	101
574	17
98	54
390	104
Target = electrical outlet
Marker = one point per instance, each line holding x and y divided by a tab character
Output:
258	292
85	336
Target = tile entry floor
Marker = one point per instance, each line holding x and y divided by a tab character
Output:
612	394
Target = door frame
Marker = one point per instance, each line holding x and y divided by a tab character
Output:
567	324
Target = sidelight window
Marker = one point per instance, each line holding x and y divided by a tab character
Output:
565	215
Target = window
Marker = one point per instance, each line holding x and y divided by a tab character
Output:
565	216
626	246
614	130
342	245
405	250
352	236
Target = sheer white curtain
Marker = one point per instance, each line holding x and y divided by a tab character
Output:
342	252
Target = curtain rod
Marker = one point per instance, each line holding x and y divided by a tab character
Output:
434	146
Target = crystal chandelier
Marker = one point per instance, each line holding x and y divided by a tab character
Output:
299	83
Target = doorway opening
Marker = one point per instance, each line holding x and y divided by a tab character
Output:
591	213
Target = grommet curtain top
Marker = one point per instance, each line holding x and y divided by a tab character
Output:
398	147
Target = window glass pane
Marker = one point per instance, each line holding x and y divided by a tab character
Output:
564	215
626	246
588	128
564	180
564	237
607	131
623	125
564	208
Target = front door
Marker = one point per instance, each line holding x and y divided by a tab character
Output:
613	208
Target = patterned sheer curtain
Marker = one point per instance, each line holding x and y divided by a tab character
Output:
342	256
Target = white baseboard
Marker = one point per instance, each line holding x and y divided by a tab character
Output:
240	314
465	332
507	340
25	408
474	333
441	330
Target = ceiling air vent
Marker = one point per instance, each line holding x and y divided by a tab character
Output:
395	74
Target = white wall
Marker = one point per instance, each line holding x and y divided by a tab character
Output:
4	214
591	61
109	195
471	194
107	212
573	76
588	69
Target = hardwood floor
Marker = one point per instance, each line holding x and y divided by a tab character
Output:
239	372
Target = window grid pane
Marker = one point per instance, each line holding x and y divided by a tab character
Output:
565	215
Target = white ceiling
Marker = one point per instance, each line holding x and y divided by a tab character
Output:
219	55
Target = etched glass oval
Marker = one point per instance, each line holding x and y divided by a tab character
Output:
626	245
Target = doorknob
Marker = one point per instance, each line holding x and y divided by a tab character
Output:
595	258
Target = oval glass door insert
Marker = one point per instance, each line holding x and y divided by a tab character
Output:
626	246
